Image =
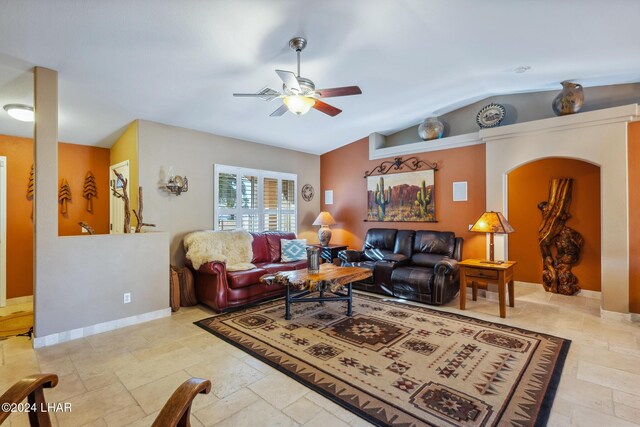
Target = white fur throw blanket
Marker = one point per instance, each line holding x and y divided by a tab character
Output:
230	247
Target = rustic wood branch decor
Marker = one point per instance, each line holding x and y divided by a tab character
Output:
556	275
87	227
31	188
138	214
125	198
89	190
64	195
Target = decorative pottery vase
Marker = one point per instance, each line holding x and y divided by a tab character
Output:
431	128
570	100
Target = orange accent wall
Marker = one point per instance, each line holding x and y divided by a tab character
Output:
74	161
634	216
342	171
19	154
528	186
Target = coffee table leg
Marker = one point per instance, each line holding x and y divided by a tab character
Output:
350	301
287	304
321	293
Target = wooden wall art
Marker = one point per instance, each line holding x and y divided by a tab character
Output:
556	274
64	195
31	187
122	181
89	190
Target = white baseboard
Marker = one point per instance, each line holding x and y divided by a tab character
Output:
616	316
74	334
19	300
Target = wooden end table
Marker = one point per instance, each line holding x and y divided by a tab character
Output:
475	270
330	279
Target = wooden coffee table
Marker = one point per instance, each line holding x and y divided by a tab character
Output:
331	279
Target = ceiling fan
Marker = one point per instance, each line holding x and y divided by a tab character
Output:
299	94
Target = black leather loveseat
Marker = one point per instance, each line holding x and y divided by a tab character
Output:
417	265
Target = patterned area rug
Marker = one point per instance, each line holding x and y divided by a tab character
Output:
398	364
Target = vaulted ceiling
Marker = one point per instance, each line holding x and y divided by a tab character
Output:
178	62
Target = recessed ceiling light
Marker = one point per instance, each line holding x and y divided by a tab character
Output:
521	69
21	112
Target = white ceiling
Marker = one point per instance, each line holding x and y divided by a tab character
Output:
178	62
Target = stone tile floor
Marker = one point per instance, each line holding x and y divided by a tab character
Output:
124	377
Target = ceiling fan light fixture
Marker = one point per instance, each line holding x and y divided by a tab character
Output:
21	112
299	104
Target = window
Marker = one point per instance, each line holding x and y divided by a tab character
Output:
254	200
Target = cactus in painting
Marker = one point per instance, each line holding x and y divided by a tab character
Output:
382	199
424	199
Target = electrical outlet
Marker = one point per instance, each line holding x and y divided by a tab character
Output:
127	297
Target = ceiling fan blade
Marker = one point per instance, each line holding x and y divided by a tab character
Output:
289	80
339	91
326	108
267	94
280	111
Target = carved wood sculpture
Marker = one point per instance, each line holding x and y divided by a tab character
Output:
64	195
138	214
31	188
125	198
89	190
556	275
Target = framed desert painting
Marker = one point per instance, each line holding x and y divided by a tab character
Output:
408	196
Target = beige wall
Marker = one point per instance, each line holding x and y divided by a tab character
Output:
79	281
522	107
193	154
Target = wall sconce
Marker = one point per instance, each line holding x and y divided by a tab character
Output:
177	185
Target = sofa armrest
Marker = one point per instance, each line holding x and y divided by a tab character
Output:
211	284
446	281
351	255
446	266
398	260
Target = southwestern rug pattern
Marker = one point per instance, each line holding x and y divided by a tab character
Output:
399	364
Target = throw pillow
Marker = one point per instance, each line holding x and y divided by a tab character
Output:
293	250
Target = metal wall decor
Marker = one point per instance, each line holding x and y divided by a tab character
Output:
412	163
307	192
177	185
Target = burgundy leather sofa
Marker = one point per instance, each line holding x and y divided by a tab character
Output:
223	290
416	265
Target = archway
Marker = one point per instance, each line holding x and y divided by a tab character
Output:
528	185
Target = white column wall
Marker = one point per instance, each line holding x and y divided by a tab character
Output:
598	137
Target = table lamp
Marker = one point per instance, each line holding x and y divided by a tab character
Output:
324	220
492	222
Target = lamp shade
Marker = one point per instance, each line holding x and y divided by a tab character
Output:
324	218
492	222
299	104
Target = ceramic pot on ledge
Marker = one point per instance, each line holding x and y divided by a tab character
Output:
431	128
570	100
